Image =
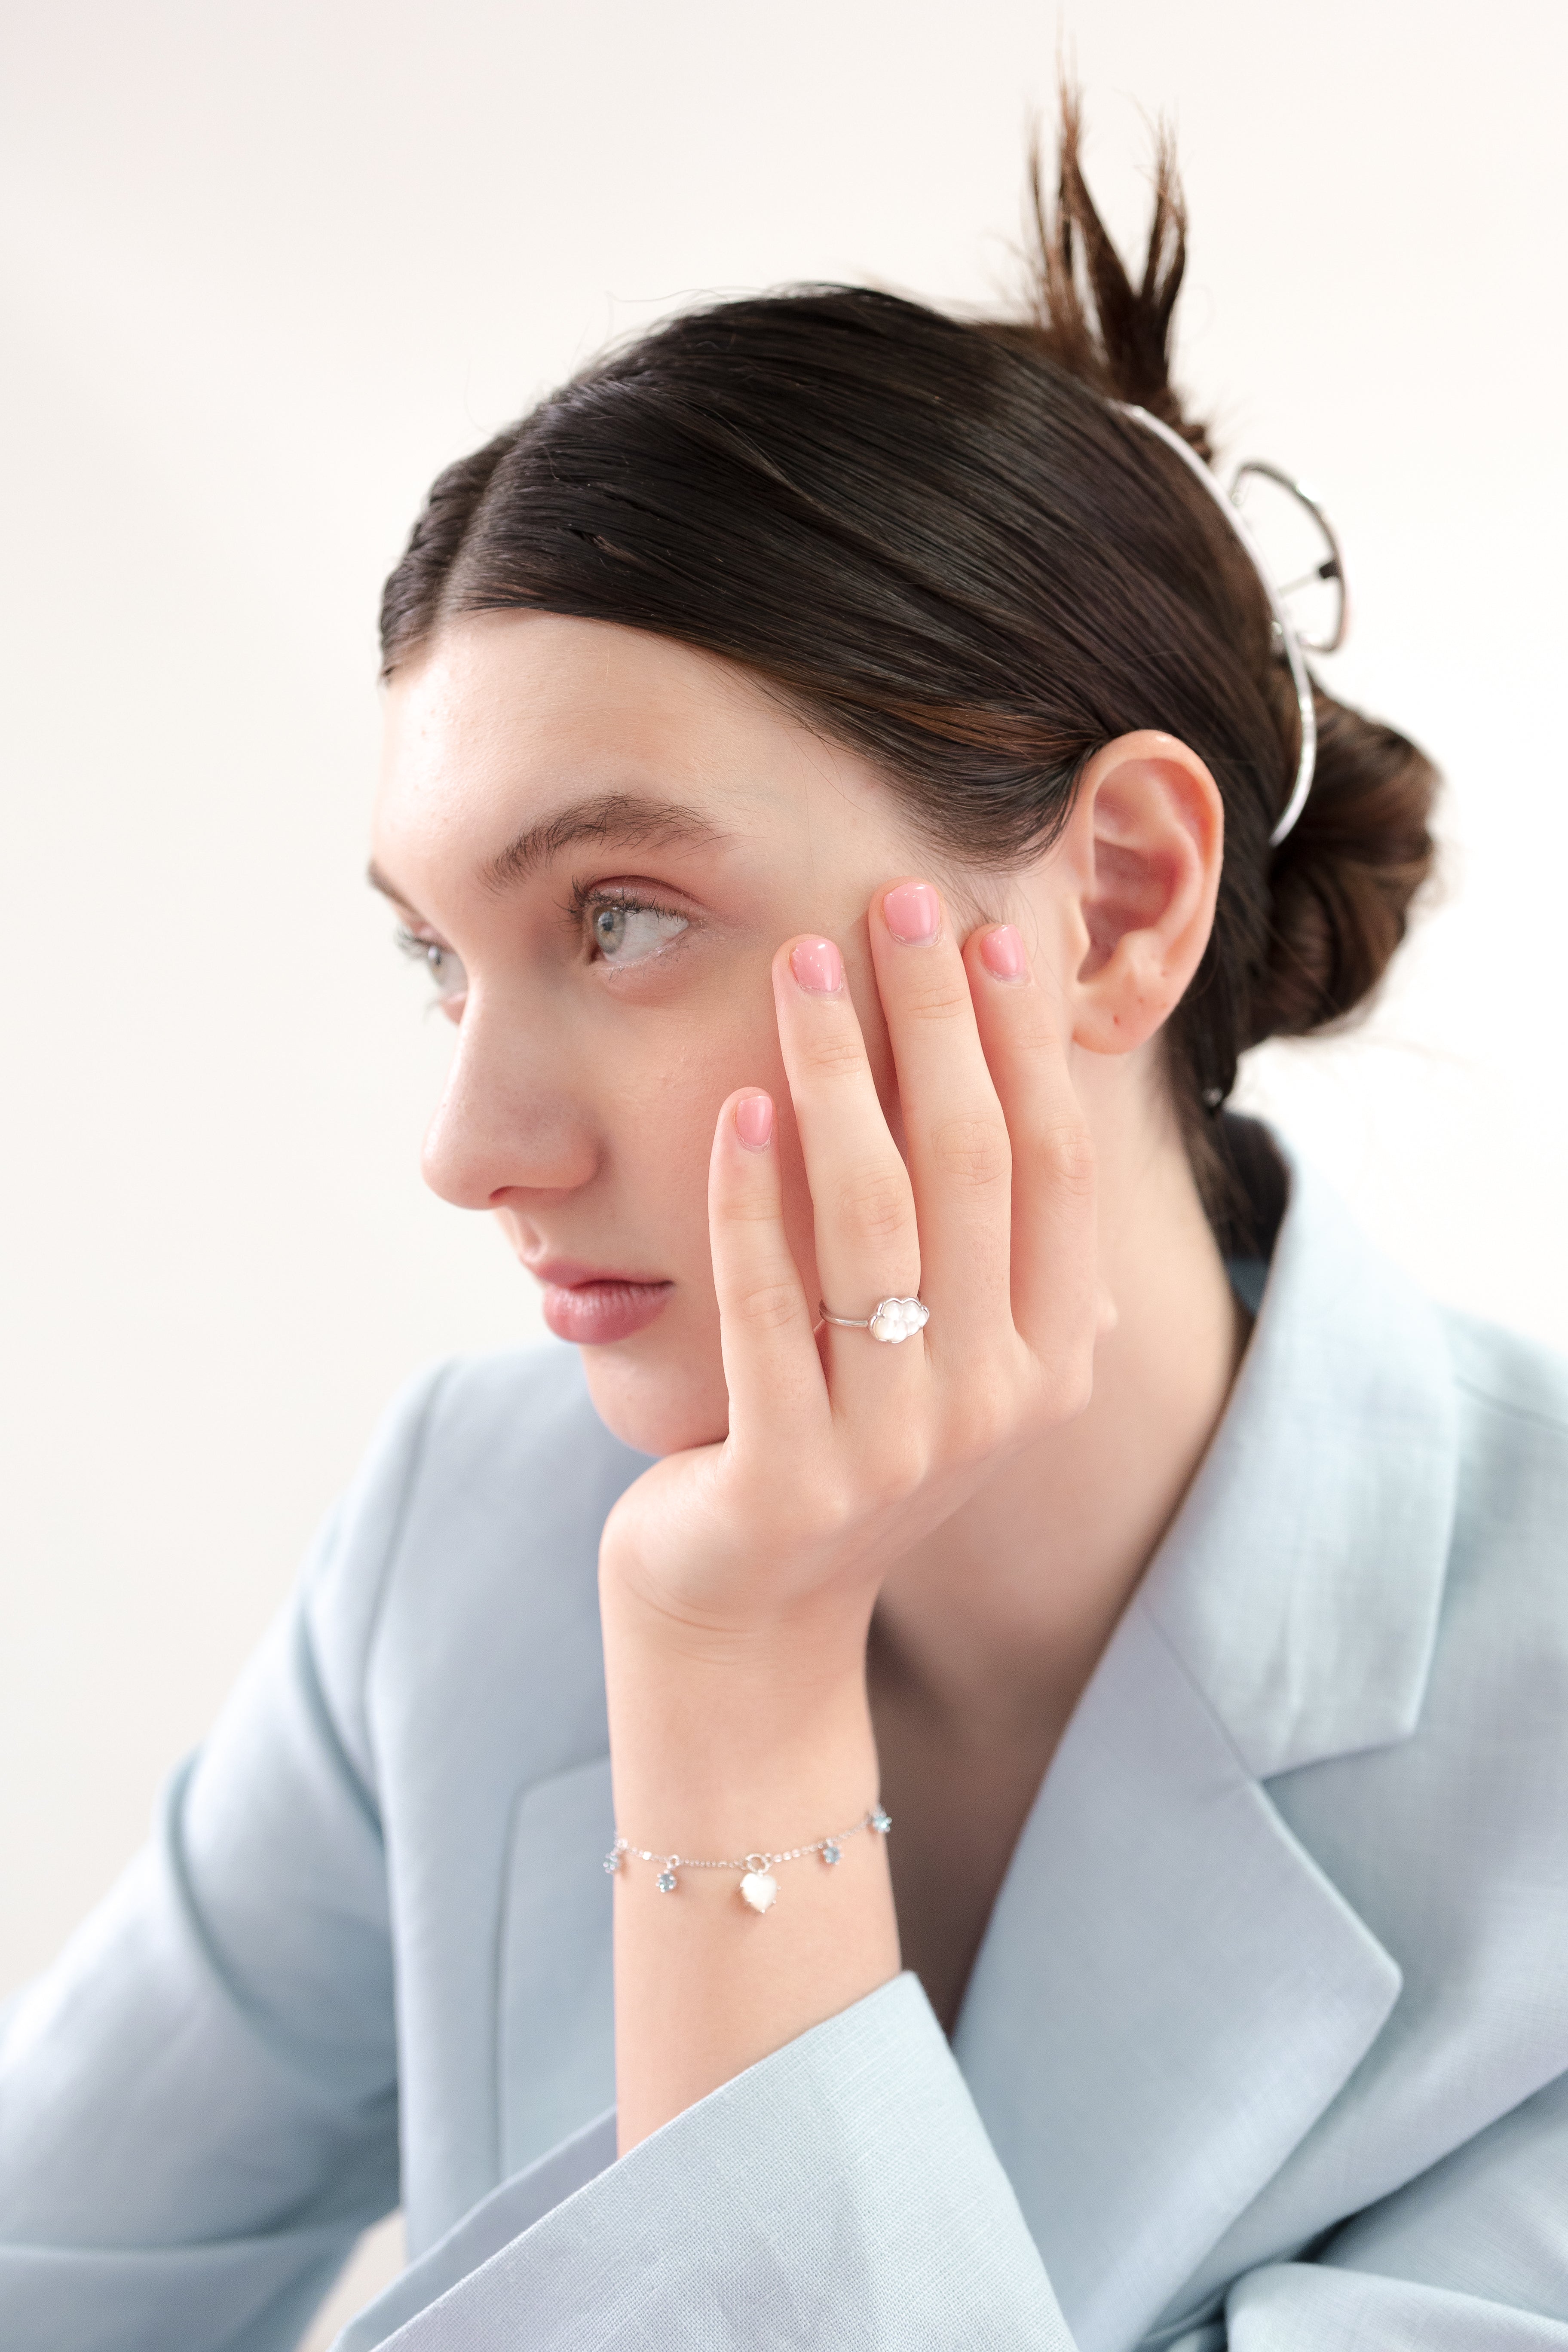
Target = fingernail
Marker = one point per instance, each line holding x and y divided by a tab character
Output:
913	912
817	966
754	1121
1001	953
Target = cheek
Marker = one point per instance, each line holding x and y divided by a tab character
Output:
663	1391
661	1132
661	1108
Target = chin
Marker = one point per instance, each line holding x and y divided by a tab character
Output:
653	1405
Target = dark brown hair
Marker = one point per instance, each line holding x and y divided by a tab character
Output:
938	538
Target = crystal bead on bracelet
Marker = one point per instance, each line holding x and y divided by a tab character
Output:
759	1887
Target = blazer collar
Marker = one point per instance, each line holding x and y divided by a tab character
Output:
1170	1990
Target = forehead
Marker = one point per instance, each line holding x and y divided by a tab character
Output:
505	716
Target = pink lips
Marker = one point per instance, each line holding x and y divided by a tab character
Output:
591	1308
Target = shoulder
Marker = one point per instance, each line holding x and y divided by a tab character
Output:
518	1414
512	1433
500	1454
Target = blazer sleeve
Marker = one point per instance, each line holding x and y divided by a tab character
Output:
842	2193
198	2103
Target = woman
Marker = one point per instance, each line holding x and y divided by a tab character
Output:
1071	1711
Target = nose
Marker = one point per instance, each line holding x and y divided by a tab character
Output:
506	1122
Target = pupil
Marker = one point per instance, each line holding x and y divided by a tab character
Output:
608	924
432	957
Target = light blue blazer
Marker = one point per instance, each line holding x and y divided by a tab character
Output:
1267	2044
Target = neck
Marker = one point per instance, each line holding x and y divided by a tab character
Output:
997	1620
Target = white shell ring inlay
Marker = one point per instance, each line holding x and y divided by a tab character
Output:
890	1319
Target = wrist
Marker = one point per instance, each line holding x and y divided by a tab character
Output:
735	1744
816	1641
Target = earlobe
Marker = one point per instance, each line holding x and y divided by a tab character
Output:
1143	846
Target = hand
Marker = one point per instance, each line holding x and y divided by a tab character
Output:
843	1450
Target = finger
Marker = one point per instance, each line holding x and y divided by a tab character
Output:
960	1157
771	1363
863	1211
1025	1030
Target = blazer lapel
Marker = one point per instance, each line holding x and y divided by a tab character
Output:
1170	1990
1169	1993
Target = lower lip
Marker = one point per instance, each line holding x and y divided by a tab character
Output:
592	1312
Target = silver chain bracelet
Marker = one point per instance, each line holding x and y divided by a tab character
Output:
759	1887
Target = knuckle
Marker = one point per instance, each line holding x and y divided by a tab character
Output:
974	1153
900	1469
1070	1388
981	1422
1066	1156
742	1208
765	1305
876	1205
1032	1030
836	1050
939	998
836	1511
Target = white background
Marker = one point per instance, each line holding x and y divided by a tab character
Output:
269	267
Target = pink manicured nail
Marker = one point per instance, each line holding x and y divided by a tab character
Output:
1001	953
817	966
913	912
754	1121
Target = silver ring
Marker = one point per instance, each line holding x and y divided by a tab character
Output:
891	1319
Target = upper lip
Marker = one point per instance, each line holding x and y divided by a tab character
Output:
571	1272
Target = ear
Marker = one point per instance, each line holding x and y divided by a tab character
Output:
1141	857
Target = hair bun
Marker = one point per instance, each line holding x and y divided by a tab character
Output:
1343	880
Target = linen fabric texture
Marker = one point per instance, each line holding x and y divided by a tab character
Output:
1266	2046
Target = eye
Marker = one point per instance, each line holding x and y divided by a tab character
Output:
628	930
450	980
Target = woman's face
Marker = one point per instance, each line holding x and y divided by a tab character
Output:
603	836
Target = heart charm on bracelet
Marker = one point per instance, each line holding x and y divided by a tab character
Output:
760	1889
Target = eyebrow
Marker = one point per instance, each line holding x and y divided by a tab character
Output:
634	819
638	821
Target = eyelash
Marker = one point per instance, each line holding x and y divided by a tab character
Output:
420	949
443	969
586	898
